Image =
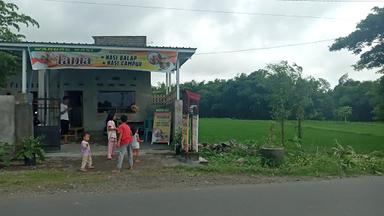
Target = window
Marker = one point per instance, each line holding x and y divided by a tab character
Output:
119	101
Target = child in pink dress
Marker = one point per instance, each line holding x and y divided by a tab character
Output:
112	136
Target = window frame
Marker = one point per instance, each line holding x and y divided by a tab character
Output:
117	109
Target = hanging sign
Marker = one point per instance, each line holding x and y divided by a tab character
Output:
161	127
88	58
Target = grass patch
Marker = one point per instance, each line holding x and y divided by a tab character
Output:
32	178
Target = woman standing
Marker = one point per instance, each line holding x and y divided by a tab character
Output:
64	118
112	137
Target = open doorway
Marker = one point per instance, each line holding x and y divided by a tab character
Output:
76	105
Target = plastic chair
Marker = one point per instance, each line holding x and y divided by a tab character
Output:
148	124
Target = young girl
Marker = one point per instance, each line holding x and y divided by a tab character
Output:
112	137
136	145
86	153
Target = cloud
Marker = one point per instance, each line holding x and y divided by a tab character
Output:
214	32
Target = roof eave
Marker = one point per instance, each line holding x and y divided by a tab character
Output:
24	45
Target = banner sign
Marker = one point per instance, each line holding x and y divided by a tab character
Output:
161	127
185	133
84	58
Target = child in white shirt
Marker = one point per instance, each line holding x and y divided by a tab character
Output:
136	145
112	137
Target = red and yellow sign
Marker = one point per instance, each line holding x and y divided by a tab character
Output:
84	58
161	127
185	133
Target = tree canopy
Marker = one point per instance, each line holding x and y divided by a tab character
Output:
10	21
367	40
253	96
10	26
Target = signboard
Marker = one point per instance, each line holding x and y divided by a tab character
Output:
185	133
161	127
84	58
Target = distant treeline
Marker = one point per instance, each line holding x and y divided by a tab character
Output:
250	97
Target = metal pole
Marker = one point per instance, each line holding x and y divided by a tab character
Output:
177	79
166	83
24	72
170	83
41	96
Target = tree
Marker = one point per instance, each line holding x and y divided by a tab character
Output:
368	39
282	77
301	100
361	96
343	79
344	112
378	110
8	64
253	96
10	22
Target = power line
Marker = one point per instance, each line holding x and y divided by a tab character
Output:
336	1
192	9
264	48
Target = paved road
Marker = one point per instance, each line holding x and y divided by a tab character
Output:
353	196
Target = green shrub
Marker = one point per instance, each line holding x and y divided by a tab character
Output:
345	155
31	146
337	161
5	153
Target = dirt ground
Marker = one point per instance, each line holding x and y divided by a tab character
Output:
158	170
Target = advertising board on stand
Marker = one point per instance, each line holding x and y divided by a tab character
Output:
161	127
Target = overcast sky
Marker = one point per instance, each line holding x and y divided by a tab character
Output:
69	22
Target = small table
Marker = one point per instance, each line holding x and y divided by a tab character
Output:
76	132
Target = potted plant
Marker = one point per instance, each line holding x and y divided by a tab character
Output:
177	142
272	154
32	147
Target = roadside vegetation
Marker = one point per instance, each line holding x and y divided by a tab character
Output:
327	148
363	137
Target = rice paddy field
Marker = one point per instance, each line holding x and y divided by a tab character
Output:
363	137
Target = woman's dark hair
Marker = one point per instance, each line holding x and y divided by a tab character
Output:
86	133
109	117
65	98
124	118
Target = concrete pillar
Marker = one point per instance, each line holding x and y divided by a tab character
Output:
23	119
7	119
24	72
